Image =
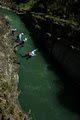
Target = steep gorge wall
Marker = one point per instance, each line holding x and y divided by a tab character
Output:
68	59
59	40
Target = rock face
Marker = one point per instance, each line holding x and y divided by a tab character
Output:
59	40
5	4
9	106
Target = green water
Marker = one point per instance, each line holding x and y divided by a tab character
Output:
39	86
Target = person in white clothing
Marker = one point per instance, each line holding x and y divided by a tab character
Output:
13	31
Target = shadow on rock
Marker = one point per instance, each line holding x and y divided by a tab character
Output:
68	95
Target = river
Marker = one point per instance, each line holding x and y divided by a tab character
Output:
39	86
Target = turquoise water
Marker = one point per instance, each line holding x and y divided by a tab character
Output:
38	84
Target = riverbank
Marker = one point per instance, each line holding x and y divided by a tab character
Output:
9	106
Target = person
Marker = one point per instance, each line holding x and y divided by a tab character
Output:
19	36
21	43
31	54
13	31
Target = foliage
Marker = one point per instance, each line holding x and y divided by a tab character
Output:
13	5
28	5
68	10
64	9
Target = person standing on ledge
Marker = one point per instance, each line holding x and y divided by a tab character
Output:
13	31
19	36
23	41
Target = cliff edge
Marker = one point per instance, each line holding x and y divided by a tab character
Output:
9	106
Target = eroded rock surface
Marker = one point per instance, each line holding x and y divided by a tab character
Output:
9	106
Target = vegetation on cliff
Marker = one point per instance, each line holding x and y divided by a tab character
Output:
9	106
64	11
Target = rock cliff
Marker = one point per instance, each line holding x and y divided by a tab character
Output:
9	106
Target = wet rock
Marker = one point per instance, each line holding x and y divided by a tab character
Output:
49	34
